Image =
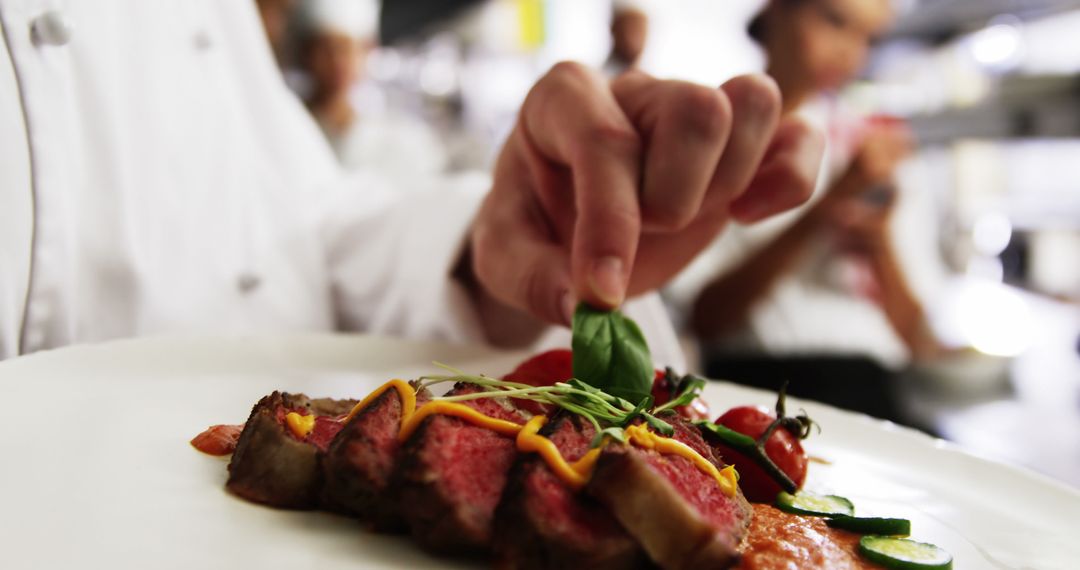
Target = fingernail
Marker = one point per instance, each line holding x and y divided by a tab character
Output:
606	280
569	305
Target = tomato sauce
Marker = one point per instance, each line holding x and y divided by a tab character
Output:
782	541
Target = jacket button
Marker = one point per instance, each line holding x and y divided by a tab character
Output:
51	29
247	283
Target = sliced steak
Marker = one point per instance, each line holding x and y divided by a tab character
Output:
451	474
359	462
542	523
271	464
677	512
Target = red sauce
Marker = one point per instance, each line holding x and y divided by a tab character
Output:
218	440
782	541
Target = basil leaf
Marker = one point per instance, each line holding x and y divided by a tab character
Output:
610	353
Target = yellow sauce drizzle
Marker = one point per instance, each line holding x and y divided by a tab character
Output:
300	425
573	474
411	422
727	478
407	393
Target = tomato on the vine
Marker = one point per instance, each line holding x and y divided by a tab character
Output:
783	448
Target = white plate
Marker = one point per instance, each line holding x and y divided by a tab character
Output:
97	471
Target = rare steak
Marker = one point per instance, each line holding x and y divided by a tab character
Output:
676	511
359	462
542	523
451	474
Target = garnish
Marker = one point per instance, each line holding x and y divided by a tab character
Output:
755	450
612	418
871	525
814	505
879	543
687	389
611	354
608	414
904	554
749	447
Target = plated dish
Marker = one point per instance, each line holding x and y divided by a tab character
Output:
123	413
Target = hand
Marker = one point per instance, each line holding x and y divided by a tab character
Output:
860	226
604	191
885	144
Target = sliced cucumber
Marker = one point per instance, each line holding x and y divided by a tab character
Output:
871	525
904	554
816	505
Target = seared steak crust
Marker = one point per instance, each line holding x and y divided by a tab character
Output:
543	524
270	465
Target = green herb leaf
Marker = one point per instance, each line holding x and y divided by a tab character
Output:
659	425
689	388
610	353
615	433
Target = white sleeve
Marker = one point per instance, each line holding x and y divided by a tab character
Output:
390	252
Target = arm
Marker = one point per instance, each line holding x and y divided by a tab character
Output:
905	313
903	310
725	303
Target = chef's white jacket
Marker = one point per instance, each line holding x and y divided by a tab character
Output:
157	176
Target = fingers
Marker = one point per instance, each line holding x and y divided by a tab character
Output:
565	216
514	256
574	121
755	103
686	127
788	173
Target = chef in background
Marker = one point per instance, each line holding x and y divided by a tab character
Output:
157	176
820	291
363	128
629	34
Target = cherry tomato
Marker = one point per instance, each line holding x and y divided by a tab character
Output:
544	369
662	393
783	448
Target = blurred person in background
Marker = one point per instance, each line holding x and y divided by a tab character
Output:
629	33
820	296
275	16
363	130
158	177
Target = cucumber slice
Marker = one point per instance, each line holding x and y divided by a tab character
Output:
816	505
904	554
871	525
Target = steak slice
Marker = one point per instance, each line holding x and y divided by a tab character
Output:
542	523
451	474
273	466
359	462
677	512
